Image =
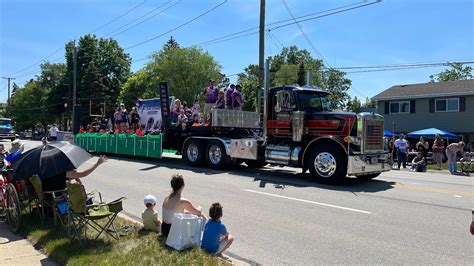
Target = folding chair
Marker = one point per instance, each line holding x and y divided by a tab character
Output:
80	215
54	200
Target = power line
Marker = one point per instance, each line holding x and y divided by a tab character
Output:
120	16
60	48
144	20
275	37
304	34
177	27
444	63
269	24
254	30
37	63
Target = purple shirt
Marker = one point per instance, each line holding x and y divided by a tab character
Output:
236	95
220	103
211	94
228	96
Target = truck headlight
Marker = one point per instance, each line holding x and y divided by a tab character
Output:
12	131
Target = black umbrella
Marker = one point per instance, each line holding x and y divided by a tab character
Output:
49	160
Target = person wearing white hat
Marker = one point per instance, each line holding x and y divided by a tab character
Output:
150	216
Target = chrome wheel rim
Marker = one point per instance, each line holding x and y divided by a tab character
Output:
215	154
325	164
192	152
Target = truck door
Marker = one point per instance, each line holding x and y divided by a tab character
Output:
279	122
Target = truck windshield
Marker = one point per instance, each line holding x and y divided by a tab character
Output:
6	124
313	101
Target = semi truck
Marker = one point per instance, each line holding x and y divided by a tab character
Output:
296	128
7	130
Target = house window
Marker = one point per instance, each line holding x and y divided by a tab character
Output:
400	107
447	105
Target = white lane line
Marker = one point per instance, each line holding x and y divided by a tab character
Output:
308	201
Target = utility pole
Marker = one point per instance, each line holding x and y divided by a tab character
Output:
74	88
8	78
261	46
261	57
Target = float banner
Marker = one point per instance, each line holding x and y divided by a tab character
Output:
149	111
165	105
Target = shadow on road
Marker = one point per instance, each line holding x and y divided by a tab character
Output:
277	177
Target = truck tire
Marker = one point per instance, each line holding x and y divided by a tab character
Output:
369	176
193	152
12	139
327	163
216	156
255	164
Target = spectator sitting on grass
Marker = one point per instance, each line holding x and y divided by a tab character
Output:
149	215
216	239
418	164
174	203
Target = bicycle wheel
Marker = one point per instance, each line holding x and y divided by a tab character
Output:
13	208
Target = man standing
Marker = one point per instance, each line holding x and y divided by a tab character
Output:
228	97
402	149
53	133
237	100
210	95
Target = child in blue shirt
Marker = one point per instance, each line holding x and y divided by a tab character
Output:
216	239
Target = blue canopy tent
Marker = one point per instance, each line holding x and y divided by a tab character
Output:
431	132
390	134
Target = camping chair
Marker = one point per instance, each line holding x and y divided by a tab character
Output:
80	214
57	203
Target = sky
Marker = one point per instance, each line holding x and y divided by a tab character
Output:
386	33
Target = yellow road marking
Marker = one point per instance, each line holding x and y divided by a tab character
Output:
437	190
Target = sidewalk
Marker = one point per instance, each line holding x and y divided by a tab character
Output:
15	250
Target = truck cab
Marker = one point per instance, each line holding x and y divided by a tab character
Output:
303	131
7	130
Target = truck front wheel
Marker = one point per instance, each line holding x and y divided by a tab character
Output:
327	163
216	155
193	152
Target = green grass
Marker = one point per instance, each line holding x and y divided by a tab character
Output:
444	166
139	247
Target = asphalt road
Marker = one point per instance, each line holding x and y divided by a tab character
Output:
281	217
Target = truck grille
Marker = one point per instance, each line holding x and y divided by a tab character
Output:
374	135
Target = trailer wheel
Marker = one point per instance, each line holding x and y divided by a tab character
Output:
193	152
327	163
368	177
216	155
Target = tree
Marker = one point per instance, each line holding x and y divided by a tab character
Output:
14	88
369	103
457	72
187	71
53	77
249	82
139	85
335	82
102	69
171	44
354	104
27	107
288	67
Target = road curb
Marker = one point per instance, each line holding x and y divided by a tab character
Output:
232	258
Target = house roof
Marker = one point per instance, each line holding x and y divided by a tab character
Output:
428	90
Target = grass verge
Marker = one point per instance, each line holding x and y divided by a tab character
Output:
444	166
137	248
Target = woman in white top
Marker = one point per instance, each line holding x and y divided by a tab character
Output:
451	153
174	203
